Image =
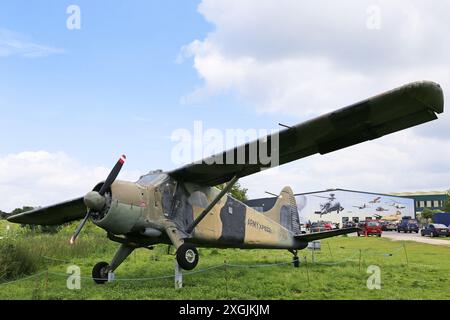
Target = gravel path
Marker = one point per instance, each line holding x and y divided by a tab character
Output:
414	237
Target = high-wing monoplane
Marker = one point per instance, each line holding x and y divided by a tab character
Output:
183	207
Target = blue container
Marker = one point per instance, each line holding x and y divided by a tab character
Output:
443	218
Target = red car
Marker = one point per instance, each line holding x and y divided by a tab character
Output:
328	226
370	228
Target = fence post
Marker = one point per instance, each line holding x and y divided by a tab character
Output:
226	277
307	272
46	280
360	253
178	276
406	254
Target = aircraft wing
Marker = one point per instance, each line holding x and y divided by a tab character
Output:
395	110
324	234
52	215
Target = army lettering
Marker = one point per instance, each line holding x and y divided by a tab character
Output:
257	225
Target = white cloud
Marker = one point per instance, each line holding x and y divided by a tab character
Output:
304	58
40	178
12	43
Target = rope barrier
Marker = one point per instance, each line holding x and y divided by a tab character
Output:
224	265
22	279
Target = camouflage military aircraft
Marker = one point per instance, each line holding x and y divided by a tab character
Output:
183	208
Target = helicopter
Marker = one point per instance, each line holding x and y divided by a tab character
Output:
330	206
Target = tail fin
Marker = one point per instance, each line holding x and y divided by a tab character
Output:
285	211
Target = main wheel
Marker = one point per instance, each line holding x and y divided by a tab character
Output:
187	256
100	272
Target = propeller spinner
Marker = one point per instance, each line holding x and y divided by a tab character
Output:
95	201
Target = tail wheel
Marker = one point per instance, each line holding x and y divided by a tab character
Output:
187	256
100	272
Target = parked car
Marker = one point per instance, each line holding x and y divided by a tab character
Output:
302	228
370	228
435	230
317	227
328	225
408	225
349	224
391	226
383	224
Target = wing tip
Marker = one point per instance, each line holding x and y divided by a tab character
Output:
429	93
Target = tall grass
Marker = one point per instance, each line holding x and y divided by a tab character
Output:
26	251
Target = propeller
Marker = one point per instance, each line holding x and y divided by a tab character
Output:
95	201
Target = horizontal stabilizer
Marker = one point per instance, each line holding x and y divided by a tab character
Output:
325	234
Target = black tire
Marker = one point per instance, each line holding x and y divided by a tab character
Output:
99	274
422	233
296	262
187	256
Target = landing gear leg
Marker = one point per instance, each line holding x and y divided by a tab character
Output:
102	270
187	254
295	260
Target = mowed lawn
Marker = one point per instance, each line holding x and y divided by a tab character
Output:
408	270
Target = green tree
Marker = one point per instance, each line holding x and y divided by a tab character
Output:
237	191
447	202
21	210
427	213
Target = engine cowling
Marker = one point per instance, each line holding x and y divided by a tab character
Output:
125	207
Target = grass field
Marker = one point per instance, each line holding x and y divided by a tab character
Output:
408	270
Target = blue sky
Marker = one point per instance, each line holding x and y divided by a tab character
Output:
72	101
115	89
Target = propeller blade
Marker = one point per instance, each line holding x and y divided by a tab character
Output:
112	175
80	226
108	182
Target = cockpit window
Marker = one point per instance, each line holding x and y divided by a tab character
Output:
152	179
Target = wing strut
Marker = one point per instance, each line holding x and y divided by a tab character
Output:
227	188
